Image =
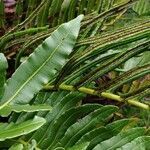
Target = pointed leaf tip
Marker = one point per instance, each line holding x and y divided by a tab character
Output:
76	23
40	68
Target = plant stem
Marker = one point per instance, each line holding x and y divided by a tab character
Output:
96	93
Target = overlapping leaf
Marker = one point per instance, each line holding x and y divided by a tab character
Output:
42	65
23	108
8	131
142	7
140	143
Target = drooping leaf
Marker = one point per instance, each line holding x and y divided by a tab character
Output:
23	108
12	130
42	65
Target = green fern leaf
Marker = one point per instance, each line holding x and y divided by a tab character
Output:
42	65
16	147
140	143
120	139
23	108
142	7
89	122
8	131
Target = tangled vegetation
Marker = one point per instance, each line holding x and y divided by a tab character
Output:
74	74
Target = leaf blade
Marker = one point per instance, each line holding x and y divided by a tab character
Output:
14	130
41	66
23	108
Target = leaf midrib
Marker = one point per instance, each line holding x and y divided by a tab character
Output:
36	72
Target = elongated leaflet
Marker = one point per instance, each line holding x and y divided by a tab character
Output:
111	11
115	37
79	59
129	79
94	51
113	63
124	76
69	100
3	67
67	118
19	34
25	22
28	44
128	35
111	35
49	53
72	10
88	66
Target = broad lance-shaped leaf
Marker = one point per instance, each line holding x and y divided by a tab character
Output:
42	65
3	67
4	112
8	131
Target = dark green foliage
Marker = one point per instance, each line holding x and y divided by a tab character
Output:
54	66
